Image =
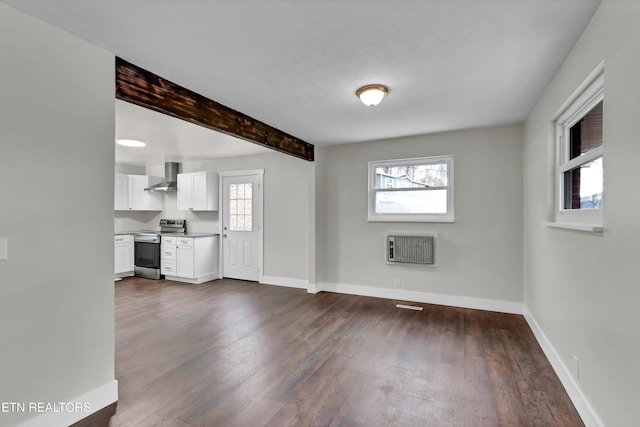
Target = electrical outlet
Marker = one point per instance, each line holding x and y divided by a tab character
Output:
397	283
576	366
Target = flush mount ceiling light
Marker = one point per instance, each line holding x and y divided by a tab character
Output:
371	95
130	143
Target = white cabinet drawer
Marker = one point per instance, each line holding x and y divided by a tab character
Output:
123	238
185	241
168	252
168	240
168	268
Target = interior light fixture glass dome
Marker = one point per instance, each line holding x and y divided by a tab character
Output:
130	143
371	95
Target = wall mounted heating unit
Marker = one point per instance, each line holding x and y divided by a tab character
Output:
412	249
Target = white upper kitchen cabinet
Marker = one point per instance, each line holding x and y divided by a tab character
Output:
121	193
129	194
198	191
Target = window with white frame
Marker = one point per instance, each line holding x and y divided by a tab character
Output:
579	170
412	190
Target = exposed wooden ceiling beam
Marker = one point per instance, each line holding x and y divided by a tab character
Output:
142	87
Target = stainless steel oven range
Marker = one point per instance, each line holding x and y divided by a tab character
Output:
147	247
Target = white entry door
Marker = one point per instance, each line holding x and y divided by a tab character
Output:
241	225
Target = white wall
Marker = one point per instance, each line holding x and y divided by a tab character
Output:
197	222
131	169
124	221
480	255
583	288
131	221
287	219
56	209
286	211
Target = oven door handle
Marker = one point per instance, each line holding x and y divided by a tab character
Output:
146	240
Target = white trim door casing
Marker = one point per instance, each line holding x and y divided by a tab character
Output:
242	224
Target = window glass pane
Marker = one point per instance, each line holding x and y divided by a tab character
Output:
583	186
587	133
414	202
240	207
411	176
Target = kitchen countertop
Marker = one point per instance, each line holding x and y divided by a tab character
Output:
121	233
190	234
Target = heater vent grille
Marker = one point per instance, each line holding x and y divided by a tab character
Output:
411	249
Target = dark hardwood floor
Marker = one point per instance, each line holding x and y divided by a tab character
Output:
233	353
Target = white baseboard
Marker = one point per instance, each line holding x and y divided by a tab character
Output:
95	400
425	297
121	275
584	408
200	279
285	281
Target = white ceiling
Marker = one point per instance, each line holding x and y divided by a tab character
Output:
295	64
172	140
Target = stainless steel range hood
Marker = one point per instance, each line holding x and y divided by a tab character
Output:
170	183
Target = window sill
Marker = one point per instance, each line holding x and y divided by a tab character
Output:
592	228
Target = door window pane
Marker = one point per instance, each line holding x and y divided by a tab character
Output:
240	207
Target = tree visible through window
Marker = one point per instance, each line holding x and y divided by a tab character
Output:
411	189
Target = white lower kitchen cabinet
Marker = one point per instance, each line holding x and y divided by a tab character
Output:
192	259
123	255
168	253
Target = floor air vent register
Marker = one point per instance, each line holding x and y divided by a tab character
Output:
411	249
